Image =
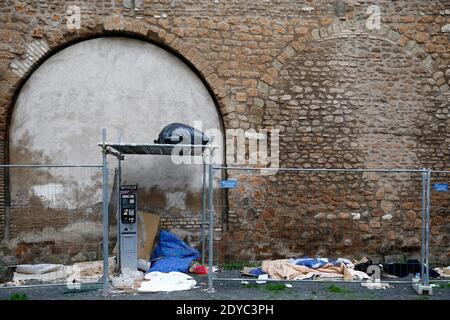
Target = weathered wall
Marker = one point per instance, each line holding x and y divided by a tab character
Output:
131	88
341	94
346	103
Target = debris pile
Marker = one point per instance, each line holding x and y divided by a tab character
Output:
172	259
81	272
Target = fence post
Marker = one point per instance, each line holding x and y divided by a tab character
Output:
211	221
203	238
423	218
427	230
105	218
119	184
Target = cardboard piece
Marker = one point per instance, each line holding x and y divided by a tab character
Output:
148	226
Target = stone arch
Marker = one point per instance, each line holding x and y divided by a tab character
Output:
39	50
351	29
367	218
341	30
356	28
365	69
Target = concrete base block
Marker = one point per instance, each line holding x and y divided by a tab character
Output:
423	289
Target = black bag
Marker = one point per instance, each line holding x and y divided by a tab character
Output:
400	270
175	133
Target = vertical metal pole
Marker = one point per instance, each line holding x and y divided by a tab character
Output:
118	221
427	245
105	218
203	238
423	218
119	184
7	224
7	201
211	221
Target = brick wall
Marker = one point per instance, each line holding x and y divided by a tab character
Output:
342	94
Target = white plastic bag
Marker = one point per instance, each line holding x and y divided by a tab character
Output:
262	277
127	278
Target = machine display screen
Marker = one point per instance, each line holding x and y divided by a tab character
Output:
128	210
128	199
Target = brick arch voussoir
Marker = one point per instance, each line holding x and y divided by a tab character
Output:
337	30
40	49
358	28
258	104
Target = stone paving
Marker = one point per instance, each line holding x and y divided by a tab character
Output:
227	290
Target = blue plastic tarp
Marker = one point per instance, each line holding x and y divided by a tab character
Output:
312	263
172	254
257	272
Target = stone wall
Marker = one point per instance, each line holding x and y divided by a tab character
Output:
343	94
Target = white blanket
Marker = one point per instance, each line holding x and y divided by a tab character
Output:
167	282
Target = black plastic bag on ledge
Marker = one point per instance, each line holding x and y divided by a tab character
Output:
178	133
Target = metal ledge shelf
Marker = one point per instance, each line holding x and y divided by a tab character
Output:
155	149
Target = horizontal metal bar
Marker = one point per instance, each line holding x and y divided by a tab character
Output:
318	169
110	144
310	280
439	171
50	166
51	285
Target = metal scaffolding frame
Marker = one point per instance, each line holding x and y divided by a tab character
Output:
118	150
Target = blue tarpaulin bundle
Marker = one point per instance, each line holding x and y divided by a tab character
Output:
313	263
172	254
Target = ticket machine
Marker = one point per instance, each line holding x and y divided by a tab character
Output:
128	227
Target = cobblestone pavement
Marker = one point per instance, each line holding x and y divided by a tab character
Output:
234	290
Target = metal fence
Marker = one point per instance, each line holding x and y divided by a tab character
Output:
439	228
391	216
52	215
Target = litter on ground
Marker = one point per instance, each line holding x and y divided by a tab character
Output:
261	278
376	285
172	260
127	279
81	272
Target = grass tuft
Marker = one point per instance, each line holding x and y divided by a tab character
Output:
336	289
444	285
272	287
18	296
275	287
